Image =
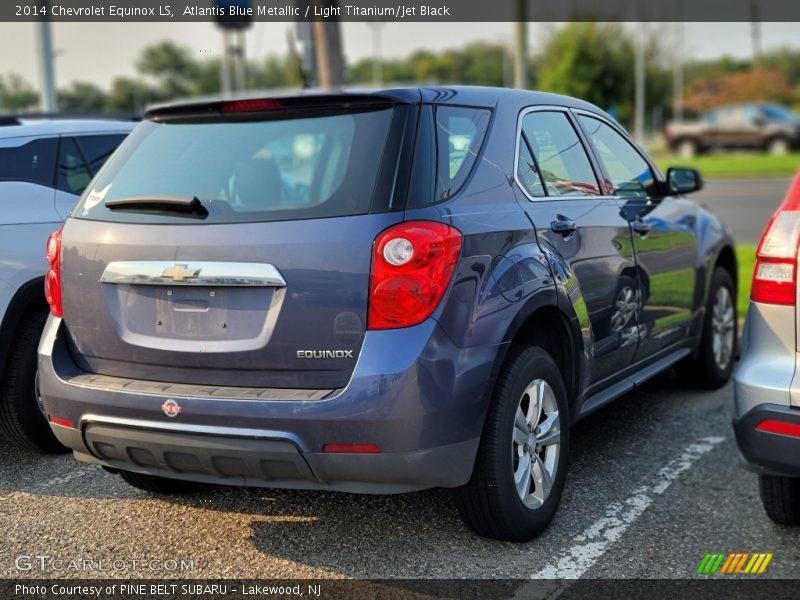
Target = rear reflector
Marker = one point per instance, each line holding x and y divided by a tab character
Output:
254	105
60	421
351	448
779	427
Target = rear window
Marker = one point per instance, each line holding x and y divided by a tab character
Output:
301	168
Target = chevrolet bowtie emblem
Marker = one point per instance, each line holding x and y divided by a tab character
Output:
180	273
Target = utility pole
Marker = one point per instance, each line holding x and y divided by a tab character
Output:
377	58
328	48
49	102
755	31
520	45
677	73
639	75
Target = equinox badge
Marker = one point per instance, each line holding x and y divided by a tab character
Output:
324	354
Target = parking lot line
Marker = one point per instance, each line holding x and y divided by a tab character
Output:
590	545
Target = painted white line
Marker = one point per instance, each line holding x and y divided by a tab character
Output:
76	474
590	545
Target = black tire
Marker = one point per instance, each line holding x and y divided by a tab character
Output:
781	498
21	419
489	503
702	370
159	485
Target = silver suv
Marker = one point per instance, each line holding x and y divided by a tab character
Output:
767	381
44	167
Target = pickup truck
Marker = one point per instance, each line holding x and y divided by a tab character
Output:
769	128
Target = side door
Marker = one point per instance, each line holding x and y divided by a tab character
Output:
564	201
79	159
664	237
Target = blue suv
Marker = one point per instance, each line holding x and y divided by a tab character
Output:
376	292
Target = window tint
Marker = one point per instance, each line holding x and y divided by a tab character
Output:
563	163
73	174
629	172
33	161
97	148
527	172
269	170
449	140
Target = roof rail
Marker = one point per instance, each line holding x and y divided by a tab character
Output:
16	118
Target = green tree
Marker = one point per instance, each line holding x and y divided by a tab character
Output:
131	95
592	61
16	94
82	96
173	68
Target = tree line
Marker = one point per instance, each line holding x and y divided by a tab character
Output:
593	61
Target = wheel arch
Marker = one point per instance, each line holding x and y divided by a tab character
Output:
551	329
28	299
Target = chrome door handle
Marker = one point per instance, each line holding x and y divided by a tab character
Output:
563	225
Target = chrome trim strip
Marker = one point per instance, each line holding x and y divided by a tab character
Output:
156	272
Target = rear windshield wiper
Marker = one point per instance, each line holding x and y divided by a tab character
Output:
180	206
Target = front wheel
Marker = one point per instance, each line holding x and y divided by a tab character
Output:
713	365
521	466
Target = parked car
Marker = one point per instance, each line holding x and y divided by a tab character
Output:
376	292
44	167
767	394
767	127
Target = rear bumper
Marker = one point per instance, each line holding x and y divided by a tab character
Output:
414	394
765	452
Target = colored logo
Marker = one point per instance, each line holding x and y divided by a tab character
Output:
171	408
722	563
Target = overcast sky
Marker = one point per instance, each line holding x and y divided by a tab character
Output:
101	51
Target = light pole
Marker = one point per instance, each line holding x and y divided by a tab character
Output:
49	101
377	58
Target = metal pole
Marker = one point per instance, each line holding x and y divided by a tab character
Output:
328	49
240	65
377	58
639	75
520	46
46	59
677	74
225	65
755	31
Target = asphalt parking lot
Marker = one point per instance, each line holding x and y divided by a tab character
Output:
654	484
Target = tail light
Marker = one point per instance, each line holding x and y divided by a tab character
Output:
52	281
775	273
412	264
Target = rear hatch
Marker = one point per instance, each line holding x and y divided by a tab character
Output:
229	243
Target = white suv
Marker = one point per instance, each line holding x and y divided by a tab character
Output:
44	167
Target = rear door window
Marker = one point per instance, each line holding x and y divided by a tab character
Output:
29	160
278	169
564	166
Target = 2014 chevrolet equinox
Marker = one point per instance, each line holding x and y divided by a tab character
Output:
376	292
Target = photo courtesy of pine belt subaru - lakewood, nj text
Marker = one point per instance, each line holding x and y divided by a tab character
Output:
376	292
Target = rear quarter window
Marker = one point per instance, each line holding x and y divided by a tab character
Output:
449	140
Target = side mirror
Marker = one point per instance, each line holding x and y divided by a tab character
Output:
682	180
758	121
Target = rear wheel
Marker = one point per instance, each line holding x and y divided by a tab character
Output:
22	419
159	485
521	466
687	148
781	498
713	365
779	146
